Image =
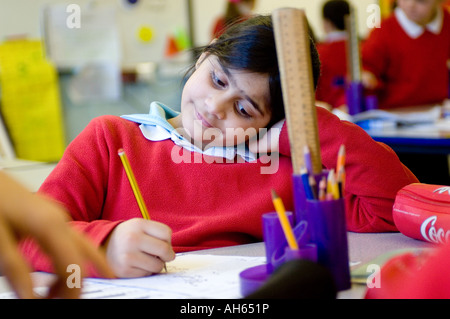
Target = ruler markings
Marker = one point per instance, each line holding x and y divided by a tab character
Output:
292	41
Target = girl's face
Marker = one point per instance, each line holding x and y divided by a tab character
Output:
419	11
224	107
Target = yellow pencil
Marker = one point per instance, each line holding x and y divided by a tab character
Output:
279	207
134	185
332	186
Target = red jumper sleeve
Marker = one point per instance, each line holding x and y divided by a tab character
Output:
77	182
374	173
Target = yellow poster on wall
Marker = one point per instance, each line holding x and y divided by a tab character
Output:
30	101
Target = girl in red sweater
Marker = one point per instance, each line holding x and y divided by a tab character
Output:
332	53
202	185
407	56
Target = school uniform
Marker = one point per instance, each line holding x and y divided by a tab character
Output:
208	200
333	73
410	61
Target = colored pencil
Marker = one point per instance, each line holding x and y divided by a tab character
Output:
341	158
308	159
133	183
340	169
135	187
322	188
305	180
332	186
288	232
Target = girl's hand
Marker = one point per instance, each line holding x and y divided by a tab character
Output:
23	215
267	143
139	247
369	80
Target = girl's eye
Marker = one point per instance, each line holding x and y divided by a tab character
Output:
217	81
241	110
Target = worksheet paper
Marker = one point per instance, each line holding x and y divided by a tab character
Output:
188	276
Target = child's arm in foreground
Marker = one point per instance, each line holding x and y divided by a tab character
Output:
25	214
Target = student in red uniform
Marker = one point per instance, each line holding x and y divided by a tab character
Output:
237	10
408	55
202	185
332	53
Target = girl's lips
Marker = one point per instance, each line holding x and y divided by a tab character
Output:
202	119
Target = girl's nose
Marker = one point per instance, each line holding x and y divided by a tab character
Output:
217	105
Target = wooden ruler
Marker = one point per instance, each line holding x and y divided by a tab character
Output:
294	60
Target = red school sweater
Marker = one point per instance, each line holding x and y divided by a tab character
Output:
209	204
333	60
411	71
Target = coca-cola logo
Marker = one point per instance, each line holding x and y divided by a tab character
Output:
430	233
441	190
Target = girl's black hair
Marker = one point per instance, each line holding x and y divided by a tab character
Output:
250	45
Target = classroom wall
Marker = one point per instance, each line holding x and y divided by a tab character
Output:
22	16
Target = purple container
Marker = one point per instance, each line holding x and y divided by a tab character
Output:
273	235
308	251
252	278
300	196
284	253
371	102
355	98
327	228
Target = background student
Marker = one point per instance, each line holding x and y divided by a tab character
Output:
237	10
407	56
25	214
202	186
406	60
332	53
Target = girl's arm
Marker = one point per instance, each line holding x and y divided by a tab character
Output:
374	173
374	59
89	181
77	183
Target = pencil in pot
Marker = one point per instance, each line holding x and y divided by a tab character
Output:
288	232
340	170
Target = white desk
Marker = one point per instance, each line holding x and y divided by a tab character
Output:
362	249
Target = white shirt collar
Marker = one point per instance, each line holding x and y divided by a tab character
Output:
413	29
336	36
154	127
